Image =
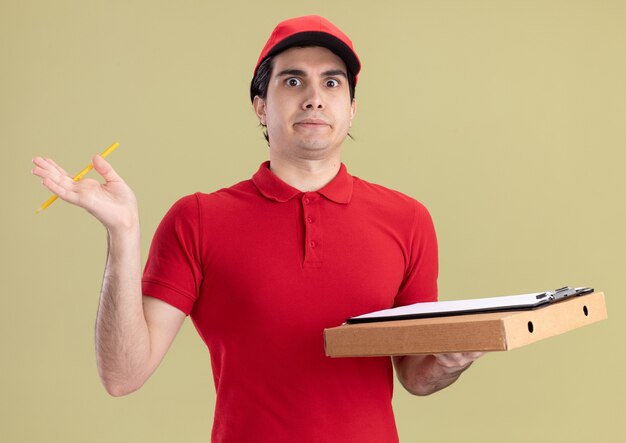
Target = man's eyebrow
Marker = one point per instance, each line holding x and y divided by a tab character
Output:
334	73
297	72
301	73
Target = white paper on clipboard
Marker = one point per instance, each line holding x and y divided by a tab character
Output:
469	306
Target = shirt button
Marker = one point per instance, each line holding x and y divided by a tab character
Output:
309	219
307	200
312	244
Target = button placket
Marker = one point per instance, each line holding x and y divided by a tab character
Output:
313	234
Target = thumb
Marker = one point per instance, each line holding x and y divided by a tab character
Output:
105	169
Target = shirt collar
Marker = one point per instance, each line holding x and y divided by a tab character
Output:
339	190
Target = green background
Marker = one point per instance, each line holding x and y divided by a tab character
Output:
505	118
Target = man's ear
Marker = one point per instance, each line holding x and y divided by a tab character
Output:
352	110
259	109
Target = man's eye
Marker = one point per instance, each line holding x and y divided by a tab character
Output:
332	83
293	81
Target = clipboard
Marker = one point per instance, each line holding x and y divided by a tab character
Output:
487	331
471	306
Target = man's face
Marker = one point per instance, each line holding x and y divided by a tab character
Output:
308	110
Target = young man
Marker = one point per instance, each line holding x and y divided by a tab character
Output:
264	266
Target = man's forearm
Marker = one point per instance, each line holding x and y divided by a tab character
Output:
122	336
426	374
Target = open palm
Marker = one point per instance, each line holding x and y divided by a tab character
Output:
111	202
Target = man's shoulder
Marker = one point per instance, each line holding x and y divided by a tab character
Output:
384	195
199	201
241	191
391	207
238	190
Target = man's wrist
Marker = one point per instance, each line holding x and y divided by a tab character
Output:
129	227
125	237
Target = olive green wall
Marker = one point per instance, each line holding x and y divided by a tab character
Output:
505	118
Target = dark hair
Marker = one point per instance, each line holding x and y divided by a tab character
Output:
261	81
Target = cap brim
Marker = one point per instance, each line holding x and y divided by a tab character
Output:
317	38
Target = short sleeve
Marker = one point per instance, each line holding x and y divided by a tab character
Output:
420	279
173	271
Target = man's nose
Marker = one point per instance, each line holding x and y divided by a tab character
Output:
313	98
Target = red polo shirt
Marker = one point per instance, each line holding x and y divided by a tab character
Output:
262	268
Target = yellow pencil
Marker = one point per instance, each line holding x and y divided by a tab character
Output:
78	176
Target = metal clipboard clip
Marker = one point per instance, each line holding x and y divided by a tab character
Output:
565	292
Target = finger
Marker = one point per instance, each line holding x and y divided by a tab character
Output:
64	192
43	164
53	176
38	171
57	167
457	359
105	169
43	173
47	168
446	360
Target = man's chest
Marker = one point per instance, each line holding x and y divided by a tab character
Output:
299	259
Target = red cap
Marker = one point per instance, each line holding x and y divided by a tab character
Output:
311	30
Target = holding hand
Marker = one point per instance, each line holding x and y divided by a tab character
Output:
113	203
425	374
457	361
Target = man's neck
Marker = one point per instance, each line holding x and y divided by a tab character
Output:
304	174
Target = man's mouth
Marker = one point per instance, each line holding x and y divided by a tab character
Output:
312	123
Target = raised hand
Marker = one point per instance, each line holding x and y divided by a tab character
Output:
113	203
